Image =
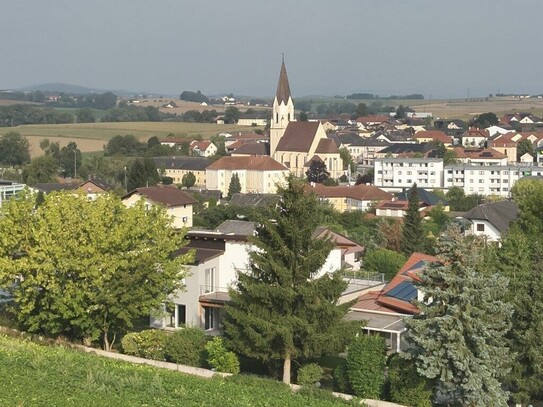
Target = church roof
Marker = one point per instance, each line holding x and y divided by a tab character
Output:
255	163
283	88
326	146
298	136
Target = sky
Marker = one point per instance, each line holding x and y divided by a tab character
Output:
439	48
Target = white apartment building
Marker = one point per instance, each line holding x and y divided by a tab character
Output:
487	180
396	174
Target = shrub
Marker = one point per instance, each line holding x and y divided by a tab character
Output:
341	379
147	344
187	347
406	385
366	365
309	375
221	359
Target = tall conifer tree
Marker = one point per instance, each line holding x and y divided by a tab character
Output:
459	335
412	232
235	185
282	308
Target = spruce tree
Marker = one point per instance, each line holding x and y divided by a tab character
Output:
235	186
412	231
459	336
281	309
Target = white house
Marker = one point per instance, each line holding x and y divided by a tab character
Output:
491	220
219	255
178	204
395	174
204	148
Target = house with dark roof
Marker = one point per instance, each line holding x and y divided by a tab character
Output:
243	148
176	167
178	204
293	143
426	198
93	187
491	220
257	174
384	311
254	200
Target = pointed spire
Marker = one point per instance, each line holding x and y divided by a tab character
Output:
283	88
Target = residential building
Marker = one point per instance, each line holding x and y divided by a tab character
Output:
93	187
474	137
252	119
384	311
178	204
203	148
176	167
9	189
257	174
480	156
432	136
492	220
396	174
219	255
350	198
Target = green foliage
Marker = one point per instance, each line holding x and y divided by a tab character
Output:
407	387
528	195
524	146
366	361
412	232
235	186
148	344
87	269
348	161
186	346
220	358
55	376
16	115
14	149
40	170
124	145
384	261
317	172
485	120
439	216
85	115
231	115
341	378
281	309
190	96
310	374
142	173
70	159
330	182
459	336
459	201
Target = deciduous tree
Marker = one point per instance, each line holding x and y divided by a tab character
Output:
317	172
87	269
14	149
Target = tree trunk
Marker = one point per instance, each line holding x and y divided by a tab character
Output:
286	369
107	346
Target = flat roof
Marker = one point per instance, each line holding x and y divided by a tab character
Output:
378	321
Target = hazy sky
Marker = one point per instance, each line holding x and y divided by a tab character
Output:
440	48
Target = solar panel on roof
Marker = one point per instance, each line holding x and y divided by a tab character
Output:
405	291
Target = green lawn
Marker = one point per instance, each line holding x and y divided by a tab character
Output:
105	131
35	375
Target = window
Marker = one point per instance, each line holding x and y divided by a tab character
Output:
181	315
209	280
399	173
481	172
408	172
185	219
480	227
209	318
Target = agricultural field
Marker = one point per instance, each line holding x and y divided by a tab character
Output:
36	375
92	136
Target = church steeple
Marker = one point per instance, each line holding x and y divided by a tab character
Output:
282	111
283	88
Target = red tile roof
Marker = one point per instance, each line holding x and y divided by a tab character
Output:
256	163
373	119
165	195
326	146
478	153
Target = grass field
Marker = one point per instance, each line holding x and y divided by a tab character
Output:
92	136
35	375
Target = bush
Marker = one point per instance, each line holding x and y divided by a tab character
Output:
147	344
309	375
221	359
341	379
406	385
366	365
186	347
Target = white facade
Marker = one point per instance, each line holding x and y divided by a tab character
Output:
395	174
252	181
181	215
484	228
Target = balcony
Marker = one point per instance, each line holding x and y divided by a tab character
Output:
213	296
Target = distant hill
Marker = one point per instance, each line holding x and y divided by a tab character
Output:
73	89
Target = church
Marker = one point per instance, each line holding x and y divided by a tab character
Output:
295	144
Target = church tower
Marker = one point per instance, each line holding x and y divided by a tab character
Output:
283	110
